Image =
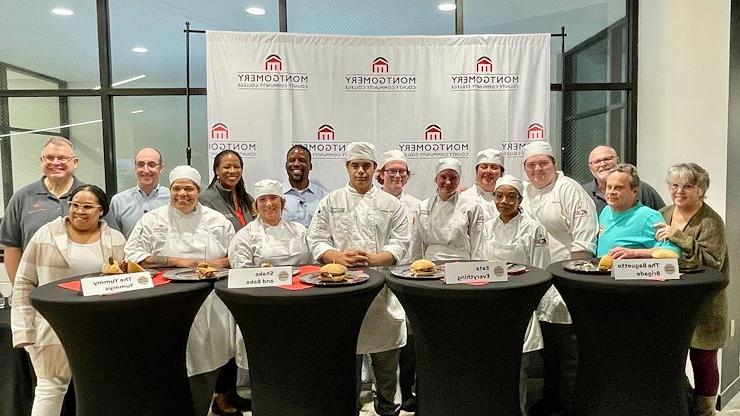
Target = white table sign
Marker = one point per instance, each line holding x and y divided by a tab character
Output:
480	271
260	277
645	269
116	283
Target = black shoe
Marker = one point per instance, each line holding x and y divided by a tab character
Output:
409	405
244	405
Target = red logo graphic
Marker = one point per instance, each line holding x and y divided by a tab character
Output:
219	131
326	132
433	132
380	64
273	63
484	64
535	131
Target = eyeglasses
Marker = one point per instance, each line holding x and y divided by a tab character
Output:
74	206
501	197
602	160
150	165
394	172
684	187
60	159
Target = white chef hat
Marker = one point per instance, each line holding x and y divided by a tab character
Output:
489	156
512	181
538	147
185	172
360	150
448	163
394	156
268	187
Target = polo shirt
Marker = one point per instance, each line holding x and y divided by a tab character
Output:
633	228
29	208
128	206
647	195
301	205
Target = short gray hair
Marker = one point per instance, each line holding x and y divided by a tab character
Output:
631	171
60	141
692	173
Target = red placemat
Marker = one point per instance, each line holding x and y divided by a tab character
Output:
75	285
297	284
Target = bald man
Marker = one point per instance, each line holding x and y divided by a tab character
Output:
601	161
128	206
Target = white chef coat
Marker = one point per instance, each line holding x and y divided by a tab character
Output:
484	199
374	222
522	240
409	205
569	216
203	235
282	245
448	230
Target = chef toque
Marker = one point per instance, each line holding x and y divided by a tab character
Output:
512	181
185	172
268	187
360	150
448	163
538	147
394	156
489	156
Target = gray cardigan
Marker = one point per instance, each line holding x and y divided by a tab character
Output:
219	198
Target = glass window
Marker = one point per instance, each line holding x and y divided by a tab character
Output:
34	120
359	17
592	118
158	28
159	122
582	21
61	47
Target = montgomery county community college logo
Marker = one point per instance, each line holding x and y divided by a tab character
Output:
219	131
325	132
323	145
380	79
515	147
433	147
433	132
484	64
221	140
484	78
380	64
535	131
272	76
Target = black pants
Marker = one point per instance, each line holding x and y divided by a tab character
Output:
407	364
226	380
560	362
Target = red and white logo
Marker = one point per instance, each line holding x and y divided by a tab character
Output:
219	131
325	132
273	63
380	65
535	131
484	64
433	132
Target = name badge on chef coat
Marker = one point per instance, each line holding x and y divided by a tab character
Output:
476	271
117	283
260	277
645	269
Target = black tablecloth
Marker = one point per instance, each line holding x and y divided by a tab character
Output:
126	351
633	337
469	341
301	345
16	373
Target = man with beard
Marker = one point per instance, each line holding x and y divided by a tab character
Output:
128	206
489	166
601	161
301	196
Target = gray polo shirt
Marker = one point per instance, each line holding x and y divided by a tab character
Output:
29	208
647	195
127	207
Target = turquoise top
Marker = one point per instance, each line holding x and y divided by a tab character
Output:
633	228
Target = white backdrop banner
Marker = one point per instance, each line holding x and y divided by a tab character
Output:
429	96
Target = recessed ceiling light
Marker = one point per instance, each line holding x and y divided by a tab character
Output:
62	12
257	11
137	111
140	49
447	7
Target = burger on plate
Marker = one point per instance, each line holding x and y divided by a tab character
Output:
205	271
606	262
126	266
332	272
423	267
